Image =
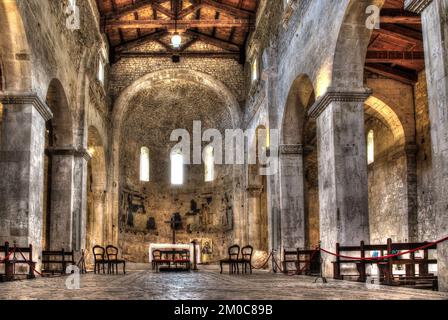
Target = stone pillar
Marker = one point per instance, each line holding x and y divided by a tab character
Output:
343	184
411	183
435	34
81	159
21	169
292	197
254	224
61	207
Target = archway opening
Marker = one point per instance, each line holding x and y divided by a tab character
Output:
300	166
58	170
96	190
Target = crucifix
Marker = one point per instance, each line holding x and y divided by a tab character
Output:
175	223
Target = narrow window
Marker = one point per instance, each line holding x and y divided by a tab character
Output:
177	168
254	70
370	147
101	71
144	164
209	164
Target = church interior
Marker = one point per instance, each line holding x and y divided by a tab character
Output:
224	149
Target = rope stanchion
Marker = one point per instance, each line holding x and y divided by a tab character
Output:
264	264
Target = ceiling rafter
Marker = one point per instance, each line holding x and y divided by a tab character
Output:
181	24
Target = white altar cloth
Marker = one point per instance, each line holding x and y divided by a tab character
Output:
161	246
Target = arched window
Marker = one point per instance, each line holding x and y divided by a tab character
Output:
254	70
101	70
144	164
177	168
370	147
209	164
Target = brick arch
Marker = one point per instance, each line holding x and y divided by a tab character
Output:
14	48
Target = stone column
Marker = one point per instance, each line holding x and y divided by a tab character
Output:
435	34
343	184
61	207
292	196
411	183
254	202
21	169
81	159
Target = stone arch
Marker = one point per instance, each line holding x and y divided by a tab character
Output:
351	46
383	111
96	189
297	130
152	79
58	171
14	48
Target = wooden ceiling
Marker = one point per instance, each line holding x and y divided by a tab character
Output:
216	28
396	49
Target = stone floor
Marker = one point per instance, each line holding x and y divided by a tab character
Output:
140	283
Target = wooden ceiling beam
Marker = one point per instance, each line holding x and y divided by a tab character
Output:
393	73
181	24
190	54
163	10
413	37
393	56
228	9
131	8
228	46
400	16
191	9
140	41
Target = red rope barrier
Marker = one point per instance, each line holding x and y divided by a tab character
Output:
29	263
9	254
309	262
389	256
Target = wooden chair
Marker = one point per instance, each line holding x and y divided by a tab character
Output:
246	258
232	260
183	259
157	260
113	261
99	257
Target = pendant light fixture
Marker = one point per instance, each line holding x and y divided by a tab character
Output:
176	39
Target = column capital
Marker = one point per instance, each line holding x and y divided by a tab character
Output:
32	98
416	6
291	149
70	151
338	95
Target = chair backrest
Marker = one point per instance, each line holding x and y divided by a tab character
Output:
112	252
247	252
98	253
156	255
234	252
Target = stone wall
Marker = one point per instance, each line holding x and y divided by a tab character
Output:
206	208
426	215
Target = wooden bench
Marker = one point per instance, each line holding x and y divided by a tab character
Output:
422	279
355	251
61	258
11	257
290	257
